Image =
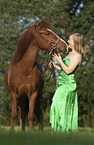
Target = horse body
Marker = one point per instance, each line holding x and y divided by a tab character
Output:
23	77
24	72
23	82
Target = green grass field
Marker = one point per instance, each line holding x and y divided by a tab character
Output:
45	137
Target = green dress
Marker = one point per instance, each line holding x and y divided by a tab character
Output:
64	108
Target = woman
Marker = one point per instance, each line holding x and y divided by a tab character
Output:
64	108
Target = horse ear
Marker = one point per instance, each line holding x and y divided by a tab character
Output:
39	24
44	23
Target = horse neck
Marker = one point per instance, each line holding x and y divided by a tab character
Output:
30	56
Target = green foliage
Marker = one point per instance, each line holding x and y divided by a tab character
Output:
66	17
85	83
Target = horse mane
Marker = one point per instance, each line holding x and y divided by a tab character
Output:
23	43
25	39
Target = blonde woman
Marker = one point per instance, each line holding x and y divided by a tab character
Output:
64	108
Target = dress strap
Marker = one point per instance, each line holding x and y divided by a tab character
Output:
69	56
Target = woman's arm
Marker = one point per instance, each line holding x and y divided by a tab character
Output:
56	66
74	61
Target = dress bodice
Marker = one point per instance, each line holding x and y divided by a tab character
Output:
64	78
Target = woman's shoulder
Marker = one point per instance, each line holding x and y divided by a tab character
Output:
77	58
78	55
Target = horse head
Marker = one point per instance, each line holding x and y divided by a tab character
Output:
46	39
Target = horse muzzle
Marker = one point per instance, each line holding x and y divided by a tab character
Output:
62	50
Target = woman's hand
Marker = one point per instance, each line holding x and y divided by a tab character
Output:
56	66
57	57
51	63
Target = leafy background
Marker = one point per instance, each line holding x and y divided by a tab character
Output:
66	17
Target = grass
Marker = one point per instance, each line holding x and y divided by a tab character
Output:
45	137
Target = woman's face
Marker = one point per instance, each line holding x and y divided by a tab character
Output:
71	42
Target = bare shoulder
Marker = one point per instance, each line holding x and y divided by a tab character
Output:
77	58
78	55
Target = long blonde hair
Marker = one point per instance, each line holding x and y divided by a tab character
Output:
78	42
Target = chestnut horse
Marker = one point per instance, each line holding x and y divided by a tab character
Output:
23	77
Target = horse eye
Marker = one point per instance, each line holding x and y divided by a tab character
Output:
65	46
47	33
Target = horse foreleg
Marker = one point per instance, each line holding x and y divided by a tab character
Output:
13	113
32	100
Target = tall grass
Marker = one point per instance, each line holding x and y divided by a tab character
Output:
46	137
